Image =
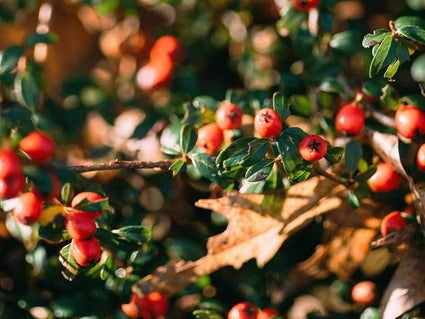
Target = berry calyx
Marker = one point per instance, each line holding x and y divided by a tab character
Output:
210	137
39	147
365	293
313	148
305	5
267	123
420	158
267	313
243	310
80	225
385	179
228	116
91	197
409	121
394	221
350	119
86	252
29	208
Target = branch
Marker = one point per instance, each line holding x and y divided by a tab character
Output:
117	164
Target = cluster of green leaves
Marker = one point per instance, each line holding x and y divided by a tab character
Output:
392	48
263	163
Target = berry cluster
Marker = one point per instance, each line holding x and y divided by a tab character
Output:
246	310
166	53
151	306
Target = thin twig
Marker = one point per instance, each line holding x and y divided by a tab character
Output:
322	172
117	164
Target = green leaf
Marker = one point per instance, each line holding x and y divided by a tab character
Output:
302	105
414	33
53	232
281	105
390	97
35	38
66	192
67	260
403	52
206	166
26	90
202	102
188	138
377	37
385	55
87	206
260	170
108	269
206	314
170	139
346	41
178	166
331	85
363	190
409	21
291	158
417	100
364	176
418	69
372	88
256	151
136	234
40	178
10	57
353	154
115	240
334	153
296	134
235	148
353	201
392	69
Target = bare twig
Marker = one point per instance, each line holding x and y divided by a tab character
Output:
117	164
322	172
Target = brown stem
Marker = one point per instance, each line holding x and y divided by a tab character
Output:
322	172
117	164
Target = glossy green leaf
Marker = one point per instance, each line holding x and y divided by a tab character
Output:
414	33
178	166
375	38
92	206
35	38
346	41
134	233
331	85
281	105
291	157
372	88
202	102
363	190
188	138
208	169
54	232
392	69
67	260
40	178
260	170
417	100
296	134
418	69
235	148
302	105
170	139
206	314
353	201
390	97
385	55
403	52
256	151
353	153
404	21
364	176
26	90
66	192
108	269
115	240
10	57
334	153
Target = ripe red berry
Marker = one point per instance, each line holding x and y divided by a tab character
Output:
305	5
79	225
155	74
86	252
228	116
420	158
385	179
90	196
267	123
409	121
130	309
29	208
267	313
350	119
11	185
157	304
313	148
243	310
167	47
365	293
394	221
210	137
39	147
10	163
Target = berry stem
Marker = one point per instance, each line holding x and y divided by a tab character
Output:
117	164
322	172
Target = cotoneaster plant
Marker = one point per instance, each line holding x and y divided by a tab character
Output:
410	121
39	147
385	179
210	138
392	222
267	123
243	310
350	119
228	116
420	158
313	148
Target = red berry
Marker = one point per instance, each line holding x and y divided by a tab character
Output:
86	252
267	123
305	5
267	313
409	121
10	163
167	47
157	304
313	148
365	293
91	197
228	116
210	137
39	147
155	74
131	309
385	178
29	208
420	158
394	221
350	119
11	185
79	225
243	310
